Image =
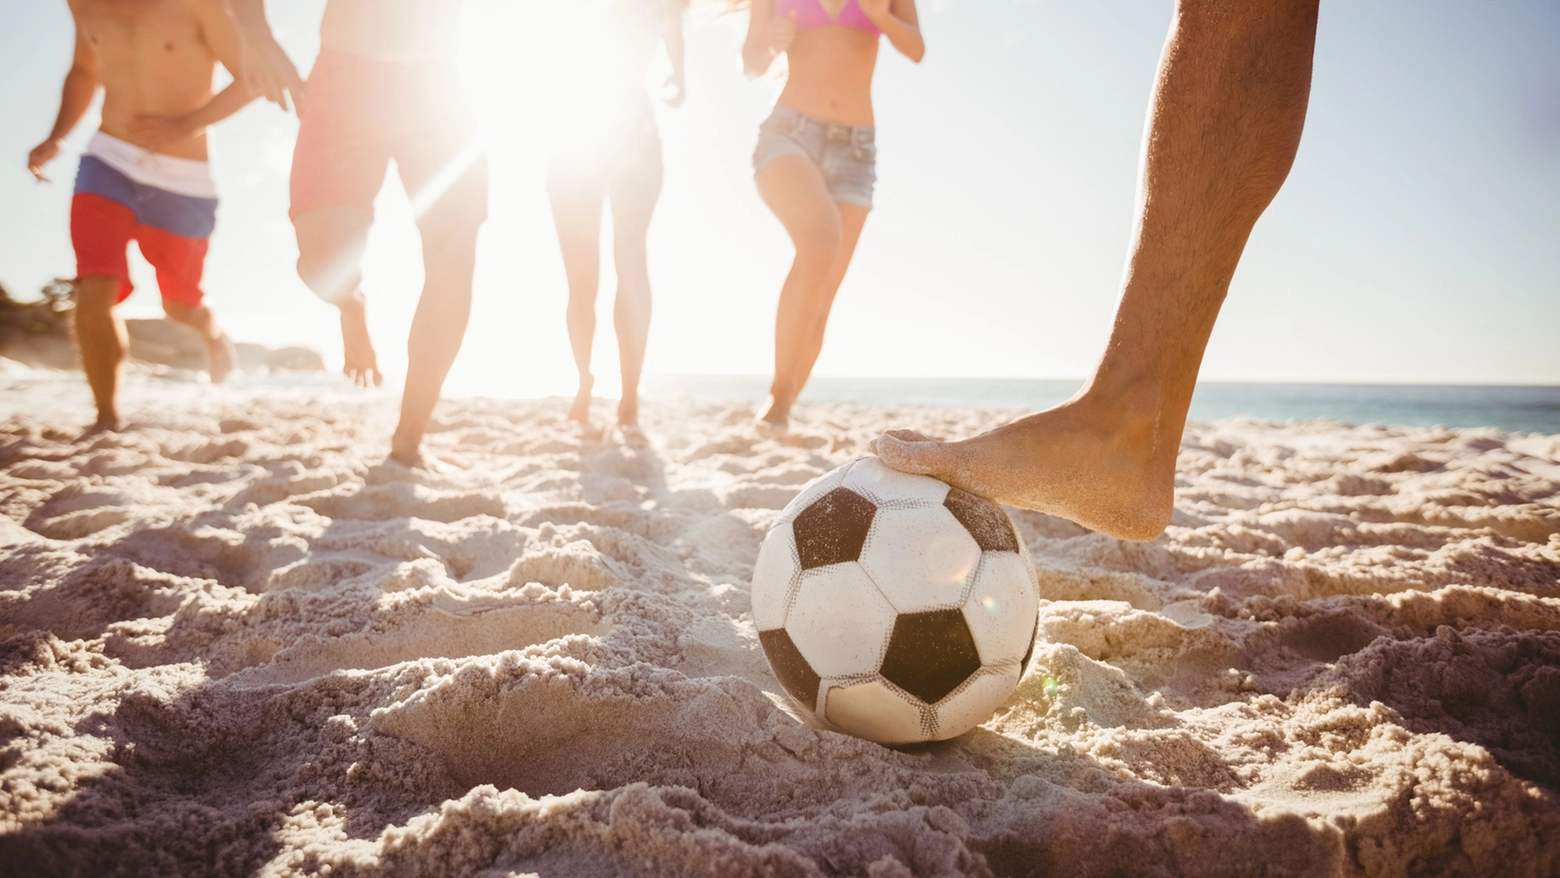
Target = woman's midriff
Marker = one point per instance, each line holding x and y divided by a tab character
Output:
830	75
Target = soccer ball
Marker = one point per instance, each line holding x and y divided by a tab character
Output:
895	607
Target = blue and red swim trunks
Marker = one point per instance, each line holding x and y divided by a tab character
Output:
167	205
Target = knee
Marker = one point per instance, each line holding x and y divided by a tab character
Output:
819	241
331	276
97	294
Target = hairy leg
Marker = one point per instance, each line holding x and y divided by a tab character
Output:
795	191
102	341
221	358
631	309
577	217
1224	125
449	236
331	241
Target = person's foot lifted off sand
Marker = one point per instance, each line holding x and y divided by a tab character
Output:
385	86
144	175
359	362
1224	125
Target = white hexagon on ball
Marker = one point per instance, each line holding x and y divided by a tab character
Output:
922	559
773	576
839	620
975	702
876	481
875	711
1002	608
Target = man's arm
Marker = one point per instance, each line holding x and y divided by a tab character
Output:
266	68
81	85
672	36
898	21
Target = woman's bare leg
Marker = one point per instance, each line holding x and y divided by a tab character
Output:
1224	125
631	309
852	218
577	217
795	191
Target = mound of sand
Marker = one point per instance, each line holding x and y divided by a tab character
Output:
233	642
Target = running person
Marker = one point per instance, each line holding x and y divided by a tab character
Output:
815	158
613	153
385	86
144	176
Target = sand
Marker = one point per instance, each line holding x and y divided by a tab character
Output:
234	642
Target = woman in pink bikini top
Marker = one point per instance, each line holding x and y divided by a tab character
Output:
815	163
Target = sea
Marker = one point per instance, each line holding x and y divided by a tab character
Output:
1513	408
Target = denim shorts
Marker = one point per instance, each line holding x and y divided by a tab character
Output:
845	154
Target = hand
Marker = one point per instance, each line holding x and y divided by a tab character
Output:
780	33
675	90
158	132
876	11
267	69
42	154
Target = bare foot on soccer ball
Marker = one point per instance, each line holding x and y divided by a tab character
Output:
774	419
361	365
579	412
221	358
1104	470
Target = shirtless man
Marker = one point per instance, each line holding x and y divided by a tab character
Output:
385	86
1224	125
144	176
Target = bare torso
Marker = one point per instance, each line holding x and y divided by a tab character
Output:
153	59
830	75
391	30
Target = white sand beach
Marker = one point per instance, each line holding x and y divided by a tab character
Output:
233	642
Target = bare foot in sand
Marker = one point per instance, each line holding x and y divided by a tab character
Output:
774	419
630	434
628	412
1114	476
221	358
361	365
414	457
579	412
109	424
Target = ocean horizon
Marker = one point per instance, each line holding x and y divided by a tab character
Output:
1513	408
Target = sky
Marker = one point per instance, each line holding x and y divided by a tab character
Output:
1415	239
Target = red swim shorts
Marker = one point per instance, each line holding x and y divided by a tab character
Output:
359	113
111	208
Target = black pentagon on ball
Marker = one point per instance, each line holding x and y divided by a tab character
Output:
930	654
793	671
985	521
833	529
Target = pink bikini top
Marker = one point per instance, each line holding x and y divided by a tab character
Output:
810	15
